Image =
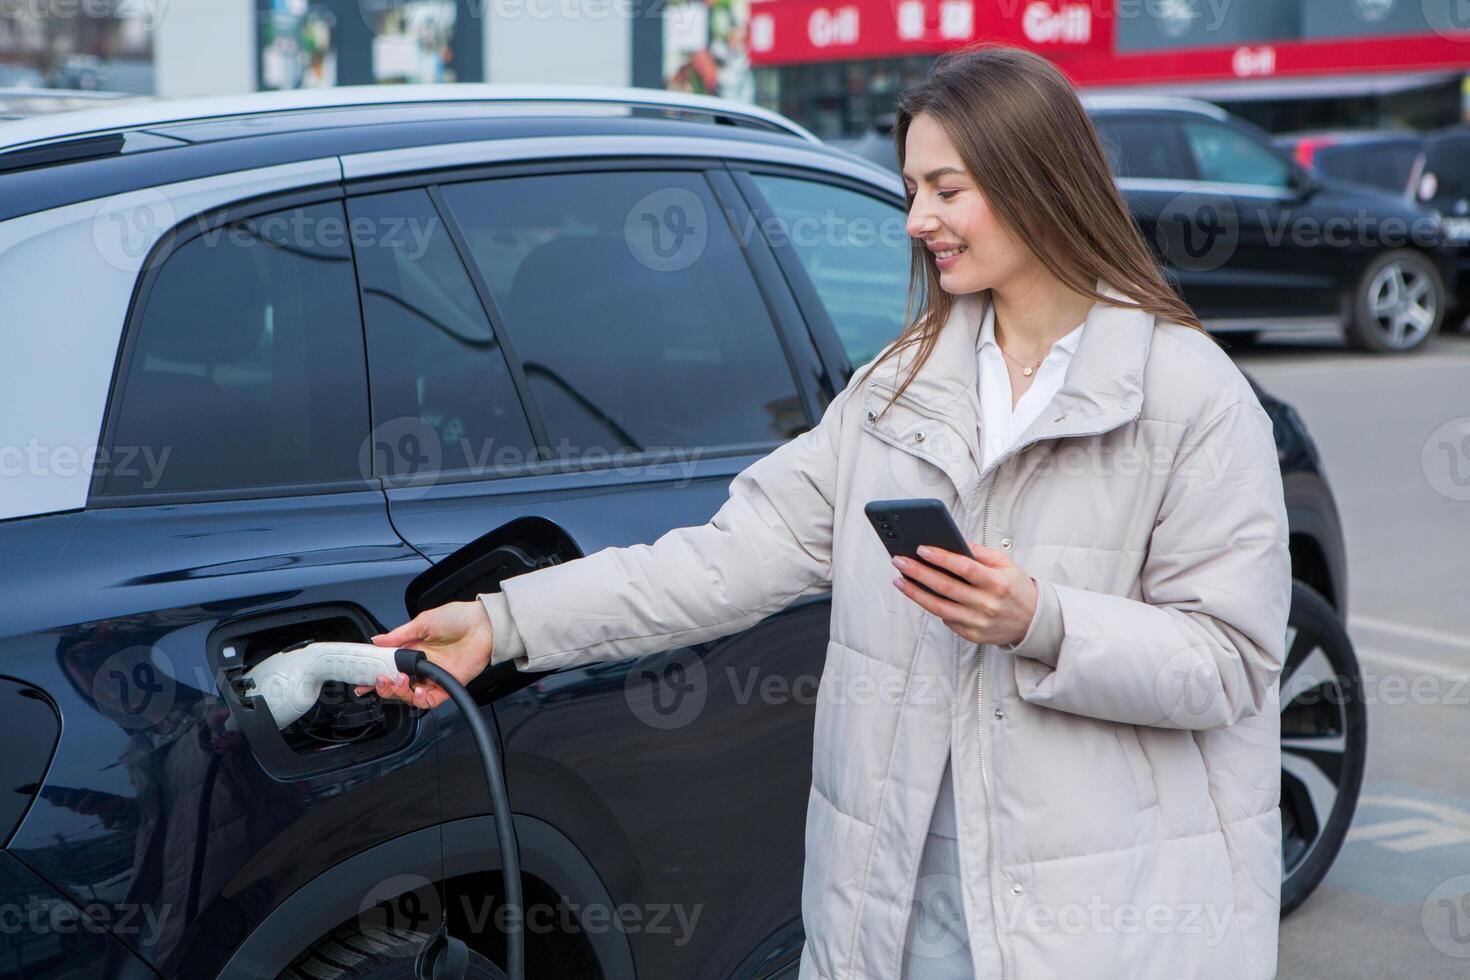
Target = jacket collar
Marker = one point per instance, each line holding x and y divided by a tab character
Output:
1103	386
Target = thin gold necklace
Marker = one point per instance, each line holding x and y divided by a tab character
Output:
1026	369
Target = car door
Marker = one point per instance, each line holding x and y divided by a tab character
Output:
228	517
585	349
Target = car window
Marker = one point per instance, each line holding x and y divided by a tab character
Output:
626	298
1230	156
1386	166
1142	148
246	367
442	394
855	250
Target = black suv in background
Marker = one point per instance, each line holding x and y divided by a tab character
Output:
294	366
1256	241
1431	170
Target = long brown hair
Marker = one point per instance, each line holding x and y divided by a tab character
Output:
1028	144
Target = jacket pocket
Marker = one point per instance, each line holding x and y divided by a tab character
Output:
1143	773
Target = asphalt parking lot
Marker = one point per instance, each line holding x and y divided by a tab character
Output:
1393	903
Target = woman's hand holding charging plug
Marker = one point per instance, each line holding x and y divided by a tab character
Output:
985	599
456	636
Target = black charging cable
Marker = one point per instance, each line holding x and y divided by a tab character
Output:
415	664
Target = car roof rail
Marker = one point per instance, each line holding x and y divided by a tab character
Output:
1178	103
31	132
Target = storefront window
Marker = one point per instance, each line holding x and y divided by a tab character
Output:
840	100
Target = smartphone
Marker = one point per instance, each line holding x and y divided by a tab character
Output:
903	525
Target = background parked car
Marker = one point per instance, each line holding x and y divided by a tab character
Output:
1431	170
1257	242
296	424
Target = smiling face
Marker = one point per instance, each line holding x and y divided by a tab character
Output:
950	215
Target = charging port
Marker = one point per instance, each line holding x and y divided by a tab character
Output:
340	729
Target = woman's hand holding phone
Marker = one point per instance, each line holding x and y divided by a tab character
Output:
456	636
985	599
982	595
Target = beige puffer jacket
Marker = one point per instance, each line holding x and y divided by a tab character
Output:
1117	773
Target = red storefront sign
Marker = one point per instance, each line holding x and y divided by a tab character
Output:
788	31
1077	35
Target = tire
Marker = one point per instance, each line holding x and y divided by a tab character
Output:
1324	743
1398	304
354	953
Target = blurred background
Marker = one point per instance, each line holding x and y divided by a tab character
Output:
835	66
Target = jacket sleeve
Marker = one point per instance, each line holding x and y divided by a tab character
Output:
1205	645
769	544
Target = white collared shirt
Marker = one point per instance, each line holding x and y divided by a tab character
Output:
1000	424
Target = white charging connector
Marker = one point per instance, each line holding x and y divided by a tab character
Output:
290	682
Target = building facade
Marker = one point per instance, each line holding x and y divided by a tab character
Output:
837	65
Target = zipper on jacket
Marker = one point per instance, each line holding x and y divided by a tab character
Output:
1014	449
969	448
980	689
984	777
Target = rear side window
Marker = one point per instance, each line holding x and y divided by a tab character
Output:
1143	147
856	251
246	366
637	321
1386	166
442	394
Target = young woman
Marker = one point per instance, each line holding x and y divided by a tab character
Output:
1066	762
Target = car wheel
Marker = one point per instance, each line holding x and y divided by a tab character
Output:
1399	303
1324	742
355	953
